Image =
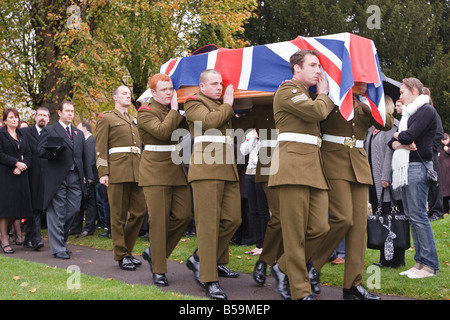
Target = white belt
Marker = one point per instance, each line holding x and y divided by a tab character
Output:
162	148
125	149
300	137
346	141
268	143
219	139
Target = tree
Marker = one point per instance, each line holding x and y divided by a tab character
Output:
411	39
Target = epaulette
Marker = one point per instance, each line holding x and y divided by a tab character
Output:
144	107
287	82
190	98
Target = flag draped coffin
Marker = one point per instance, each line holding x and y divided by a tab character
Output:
346	59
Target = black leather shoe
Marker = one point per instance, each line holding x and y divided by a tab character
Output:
259	272
309	297
160	279
105	235
193	264
359	293
215	291
147	255
224	271
38	246
126	264
282	282
135	261
313	278
62	255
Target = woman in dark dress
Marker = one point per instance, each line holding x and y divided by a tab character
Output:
15	159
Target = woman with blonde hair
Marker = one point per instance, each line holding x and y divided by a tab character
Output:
412	157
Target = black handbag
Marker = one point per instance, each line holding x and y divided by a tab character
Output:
388	230
432	175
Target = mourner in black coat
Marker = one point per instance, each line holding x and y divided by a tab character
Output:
65	176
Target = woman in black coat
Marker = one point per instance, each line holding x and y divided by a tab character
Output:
15	159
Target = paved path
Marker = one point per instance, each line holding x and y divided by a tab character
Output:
100	263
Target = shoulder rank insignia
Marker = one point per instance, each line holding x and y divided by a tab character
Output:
190	98
144	107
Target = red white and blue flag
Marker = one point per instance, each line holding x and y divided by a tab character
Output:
345	58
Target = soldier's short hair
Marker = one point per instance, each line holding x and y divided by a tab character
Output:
156	78
204	75
299	58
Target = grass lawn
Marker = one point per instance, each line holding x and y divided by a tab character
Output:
21	280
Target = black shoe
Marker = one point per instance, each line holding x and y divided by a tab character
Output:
126	264
309	297
313	278
38	246
147	255
282	282
62	255
105	235
359	293
83	234
215	291
193	264
224	271
160	279
259	272
135	261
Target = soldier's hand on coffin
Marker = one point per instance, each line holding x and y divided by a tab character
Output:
228	96
322	85
174	102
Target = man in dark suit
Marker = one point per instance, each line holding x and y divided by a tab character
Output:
63	145
36	176
88	208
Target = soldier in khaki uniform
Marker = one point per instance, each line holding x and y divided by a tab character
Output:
164	181
118	151
348	171
261	118
214	179
297	171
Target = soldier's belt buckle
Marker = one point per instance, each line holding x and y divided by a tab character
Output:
229	140
135	150
319	142
350	142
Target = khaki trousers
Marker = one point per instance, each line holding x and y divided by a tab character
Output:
304	222
348	218
273	240
169	213
217	210
127	211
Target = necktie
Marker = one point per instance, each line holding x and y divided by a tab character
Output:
68	132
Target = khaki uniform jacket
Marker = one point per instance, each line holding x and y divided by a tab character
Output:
295	111
156	124
349	163
115	130
215	160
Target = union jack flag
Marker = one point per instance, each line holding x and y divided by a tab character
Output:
345	58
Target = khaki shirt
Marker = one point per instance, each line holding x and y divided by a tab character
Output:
156	124
115	130
344	162
211	160
295	111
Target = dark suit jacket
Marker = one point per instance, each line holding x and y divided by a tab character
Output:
14	189
90	153
59	167
36	173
